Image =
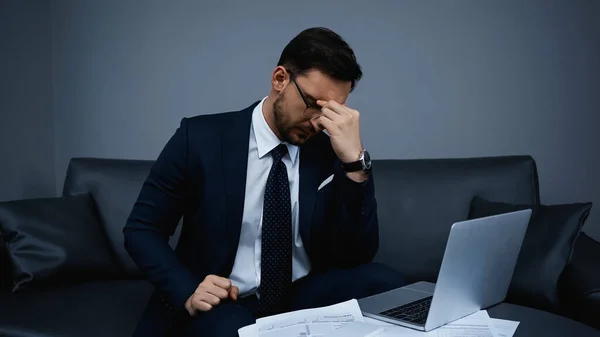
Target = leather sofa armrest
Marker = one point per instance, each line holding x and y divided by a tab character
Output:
579	285
5	268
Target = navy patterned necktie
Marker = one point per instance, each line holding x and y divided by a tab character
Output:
276	249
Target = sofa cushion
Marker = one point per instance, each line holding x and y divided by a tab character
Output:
115	185
5	267
419	200
55	241
546	251
580	283
95	309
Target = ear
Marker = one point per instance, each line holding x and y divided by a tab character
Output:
280	78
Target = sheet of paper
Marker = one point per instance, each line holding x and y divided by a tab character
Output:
504	328
248	331
478	324
357	329
372	328
317	322
475	325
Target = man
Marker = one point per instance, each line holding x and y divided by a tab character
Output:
278	215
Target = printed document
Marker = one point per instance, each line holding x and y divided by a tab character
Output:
346	320
504	328
478	324
317	322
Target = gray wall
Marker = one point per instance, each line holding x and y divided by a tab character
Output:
26	130
454	79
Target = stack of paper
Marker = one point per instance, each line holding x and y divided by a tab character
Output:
318	322
346	320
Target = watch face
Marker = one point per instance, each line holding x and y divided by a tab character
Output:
366	160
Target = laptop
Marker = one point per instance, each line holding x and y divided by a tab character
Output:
475	273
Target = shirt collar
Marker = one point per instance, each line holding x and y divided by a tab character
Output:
266	140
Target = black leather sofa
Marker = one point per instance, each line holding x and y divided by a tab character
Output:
418	200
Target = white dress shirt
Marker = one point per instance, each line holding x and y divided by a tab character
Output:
246	268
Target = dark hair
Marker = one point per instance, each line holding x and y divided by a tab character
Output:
324	50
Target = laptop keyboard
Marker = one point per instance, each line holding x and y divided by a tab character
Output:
414	312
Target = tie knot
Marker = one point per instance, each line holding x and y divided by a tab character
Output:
278	152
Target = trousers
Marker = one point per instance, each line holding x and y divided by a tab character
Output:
314	290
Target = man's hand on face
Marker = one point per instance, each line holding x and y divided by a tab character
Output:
210	293
343	126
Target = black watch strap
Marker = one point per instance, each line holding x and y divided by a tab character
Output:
353	166
362	164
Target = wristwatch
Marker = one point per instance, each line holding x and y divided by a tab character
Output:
362	164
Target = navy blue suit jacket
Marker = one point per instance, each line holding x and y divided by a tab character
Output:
200	176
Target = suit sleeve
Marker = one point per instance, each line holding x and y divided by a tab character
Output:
154	218
355	228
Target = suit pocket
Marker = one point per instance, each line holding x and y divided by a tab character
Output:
325	182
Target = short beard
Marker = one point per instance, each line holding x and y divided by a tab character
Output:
282	122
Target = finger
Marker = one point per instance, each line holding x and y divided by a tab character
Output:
235	291
189	306
331	115
325	123
208	298
200	305
315	123
221	282
217	291
334	106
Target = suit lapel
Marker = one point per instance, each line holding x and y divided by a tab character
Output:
235	161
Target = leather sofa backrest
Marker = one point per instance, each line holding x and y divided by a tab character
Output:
114	185
419	200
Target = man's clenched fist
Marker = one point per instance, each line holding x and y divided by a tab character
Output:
210	293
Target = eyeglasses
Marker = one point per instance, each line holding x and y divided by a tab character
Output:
312	110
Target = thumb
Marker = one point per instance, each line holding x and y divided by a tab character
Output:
317	125
234	292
